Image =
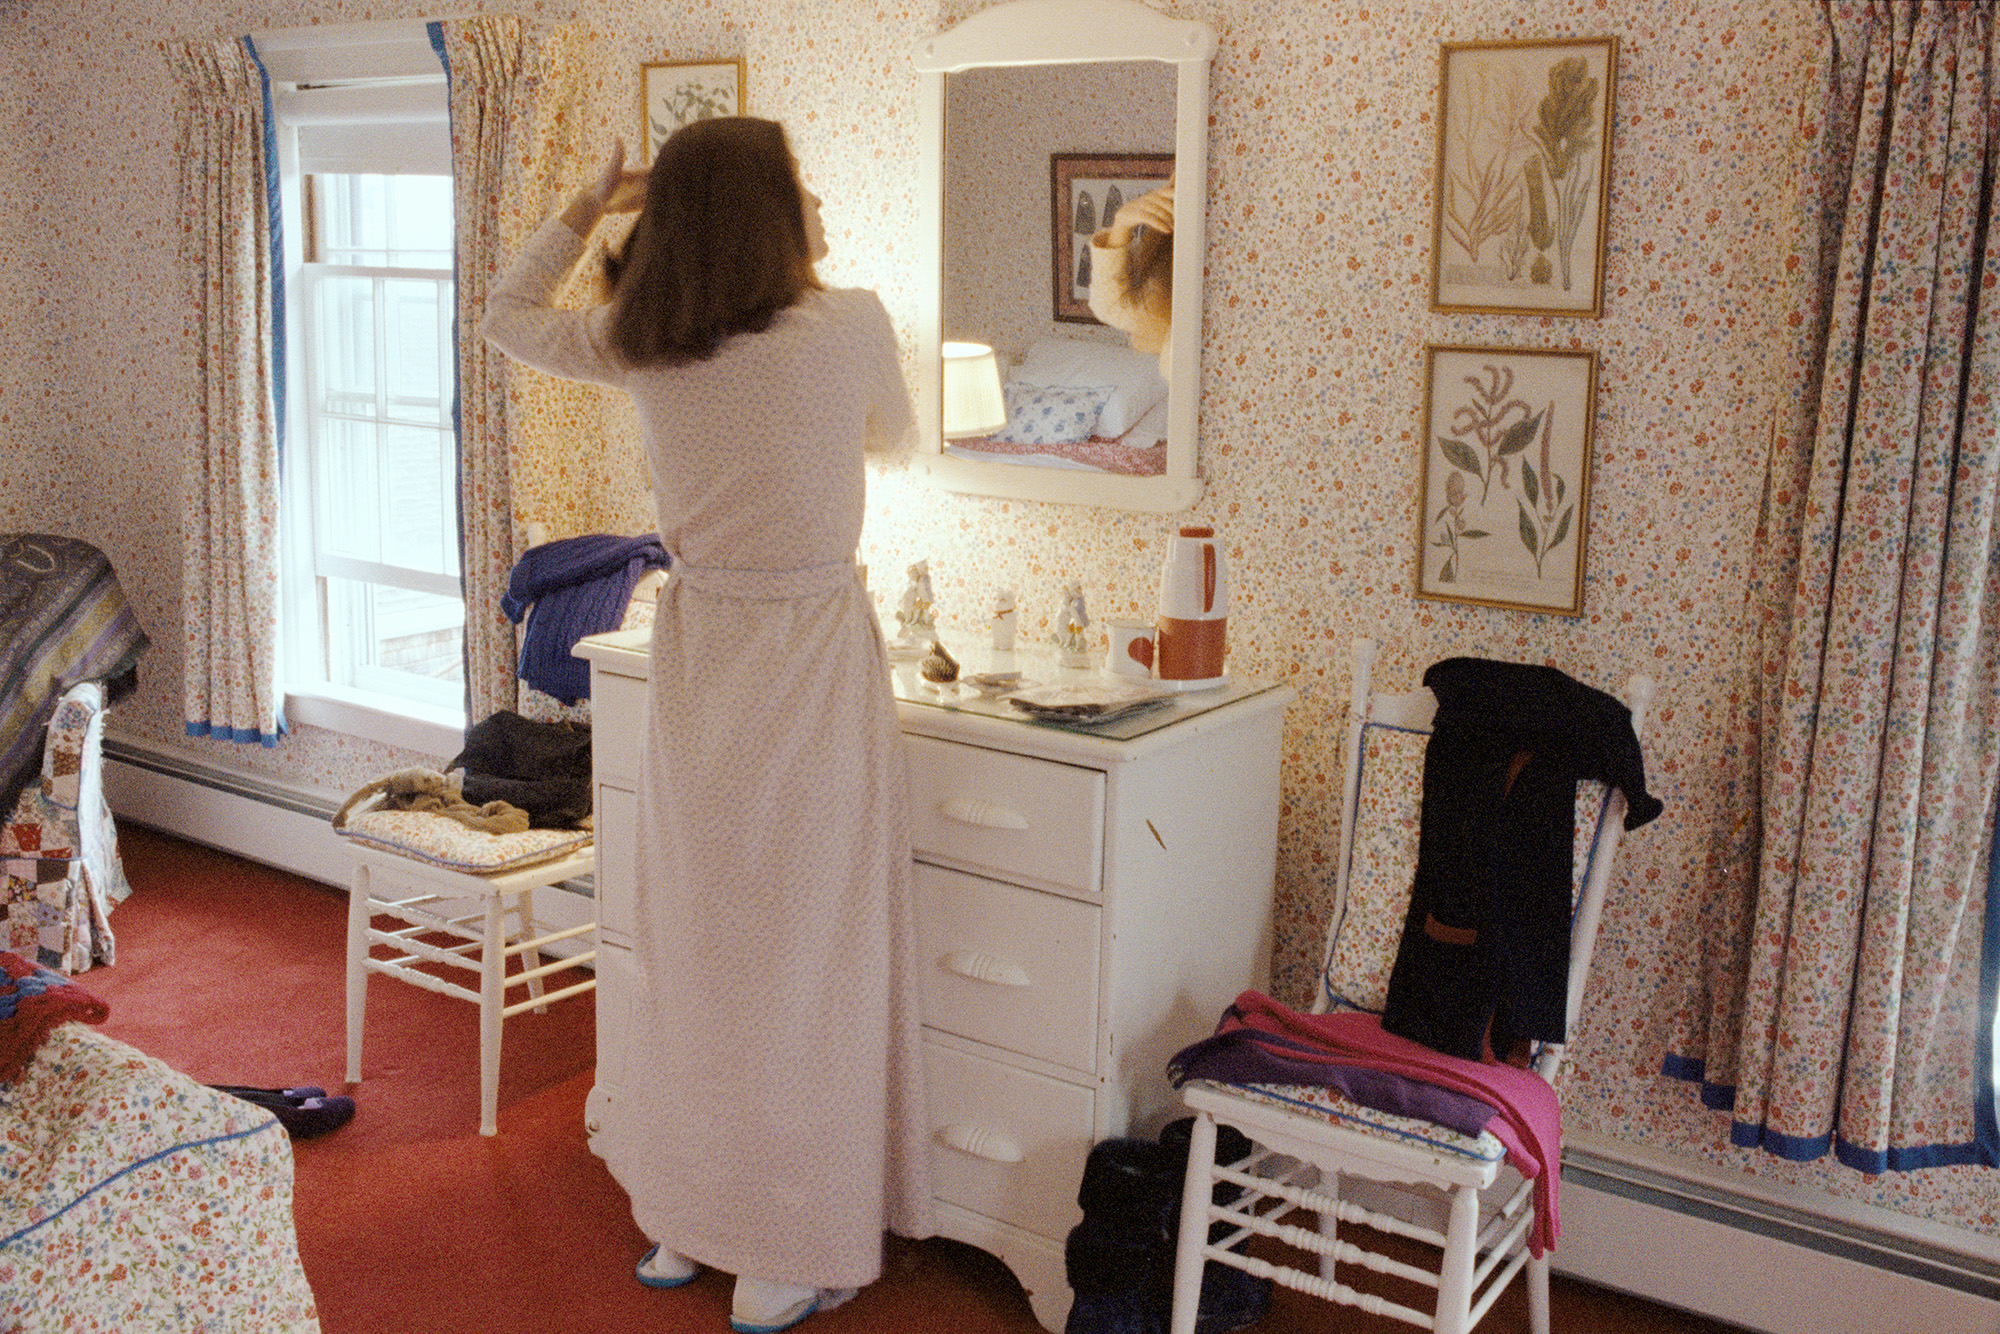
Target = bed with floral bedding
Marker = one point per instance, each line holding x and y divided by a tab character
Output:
132	1197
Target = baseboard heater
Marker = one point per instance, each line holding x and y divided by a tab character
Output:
1769	1259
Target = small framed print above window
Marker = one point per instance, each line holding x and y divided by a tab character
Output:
1523	176
1506	477
674	93
1086	190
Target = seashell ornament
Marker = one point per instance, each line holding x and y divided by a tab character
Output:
938	666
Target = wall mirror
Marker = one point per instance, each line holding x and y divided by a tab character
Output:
1041	119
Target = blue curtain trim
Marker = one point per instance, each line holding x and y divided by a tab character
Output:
1979	1152
274	208
246	735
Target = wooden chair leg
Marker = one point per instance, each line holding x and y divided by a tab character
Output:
492	998
1329	1224
1538	1294
1197	1189
1454	1298
357	968
524	928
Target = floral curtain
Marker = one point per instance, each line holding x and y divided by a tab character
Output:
229	575
1845	1002
483	59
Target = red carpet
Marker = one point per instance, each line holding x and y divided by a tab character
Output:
410	1221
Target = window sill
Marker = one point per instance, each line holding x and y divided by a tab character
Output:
392	722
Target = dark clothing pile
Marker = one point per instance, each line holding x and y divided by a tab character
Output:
543	768
1485	946
570	588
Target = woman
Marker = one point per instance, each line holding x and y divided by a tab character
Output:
782	1098
1132	274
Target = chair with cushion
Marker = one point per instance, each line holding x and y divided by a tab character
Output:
450	891
1320	1159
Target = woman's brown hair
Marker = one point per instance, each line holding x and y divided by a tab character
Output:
719	248
1149	269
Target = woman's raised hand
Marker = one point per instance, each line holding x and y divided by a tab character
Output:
617	189
1153	209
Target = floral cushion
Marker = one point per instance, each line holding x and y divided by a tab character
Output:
1050	414
1331	1106
443	841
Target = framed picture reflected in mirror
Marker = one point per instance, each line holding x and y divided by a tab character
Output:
1086	190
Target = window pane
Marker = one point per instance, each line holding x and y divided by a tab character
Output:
402	642
419	524
349	457
389	221
414	364
347	345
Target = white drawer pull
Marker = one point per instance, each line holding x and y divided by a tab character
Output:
986	968
982	814
980	1143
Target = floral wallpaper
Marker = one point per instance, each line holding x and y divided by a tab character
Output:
1322	142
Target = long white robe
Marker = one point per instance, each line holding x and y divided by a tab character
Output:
780	1078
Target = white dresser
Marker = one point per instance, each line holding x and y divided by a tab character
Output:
1088	902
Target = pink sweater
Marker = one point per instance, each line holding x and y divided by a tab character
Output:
1529	1120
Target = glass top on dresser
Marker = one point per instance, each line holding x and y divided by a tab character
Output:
1041	673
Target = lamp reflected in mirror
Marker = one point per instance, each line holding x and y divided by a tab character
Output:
973	402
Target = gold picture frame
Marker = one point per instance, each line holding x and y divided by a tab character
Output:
673	93
1522	186
1505	487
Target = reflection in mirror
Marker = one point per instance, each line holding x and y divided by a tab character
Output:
1044	119
1039	161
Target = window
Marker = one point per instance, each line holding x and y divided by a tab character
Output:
378	435
374	617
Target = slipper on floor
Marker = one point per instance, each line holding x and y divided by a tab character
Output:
761	1306
656	1280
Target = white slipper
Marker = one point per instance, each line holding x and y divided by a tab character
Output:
662	1268
761	1306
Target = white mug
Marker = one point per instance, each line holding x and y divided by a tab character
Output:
1131	650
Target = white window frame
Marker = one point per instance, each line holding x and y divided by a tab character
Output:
360	73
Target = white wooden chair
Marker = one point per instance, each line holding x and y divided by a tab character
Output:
1323	1160
433	897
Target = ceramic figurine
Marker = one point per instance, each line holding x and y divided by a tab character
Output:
916	613
1071	640
1002	621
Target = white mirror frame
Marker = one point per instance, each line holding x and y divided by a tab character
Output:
1070	32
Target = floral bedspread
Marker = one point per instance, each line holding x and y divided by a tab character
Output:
133	1198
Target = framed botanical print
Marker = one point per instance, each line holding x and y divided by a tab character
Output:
1523	176
1086	190
675	92
1505	489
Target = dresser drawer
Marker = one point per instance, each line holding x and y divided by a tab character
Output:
1006	1143
1009	966
1018	818
618	707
